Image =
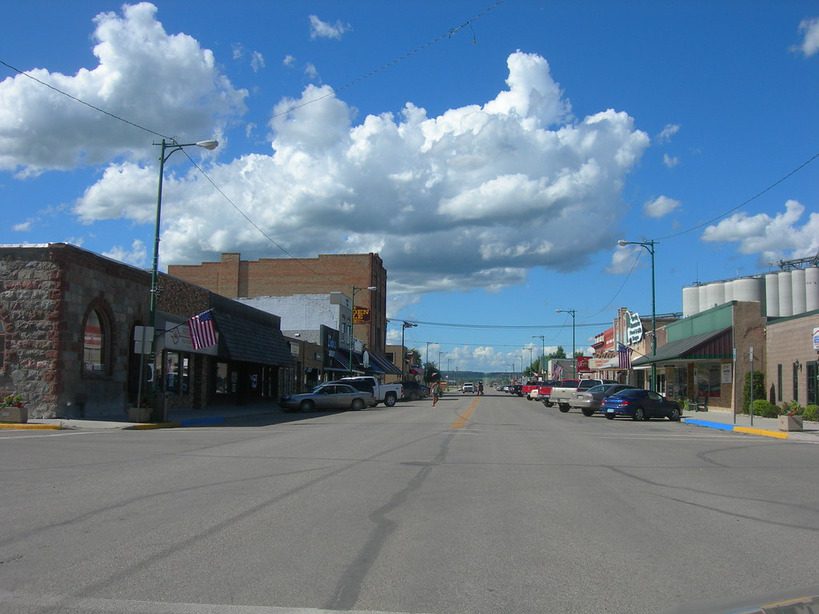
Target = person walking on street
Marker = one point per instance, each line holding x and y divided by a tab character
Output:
436	392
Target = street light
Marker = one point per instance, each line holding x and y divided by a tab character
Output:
352	325
542	354
167	148
649	246
572	312
404	327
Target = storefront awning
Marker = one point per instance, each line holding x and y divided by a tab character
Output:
380	364
714	345
246	340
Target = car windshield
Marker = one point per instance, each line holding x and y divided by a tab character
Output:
598	388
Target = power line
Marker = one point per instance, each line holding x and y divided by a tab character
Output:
83	102
505	326
782	179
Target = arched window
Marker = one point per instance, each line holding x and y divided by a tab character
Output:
94	343
2	346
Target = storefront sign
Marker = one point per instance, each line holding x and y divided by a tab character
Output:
634	328
816	339
727	374
361	315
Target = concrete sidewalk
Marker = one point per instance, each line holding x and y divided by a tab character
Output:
176	419
742	423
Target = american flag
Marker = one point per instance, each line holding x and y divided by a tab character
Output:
203	330
624	356
557	372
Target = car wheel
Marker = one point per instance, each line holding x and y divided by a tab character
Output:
639	414
588	412
609	416
563	407
358	404
389	400
306	406
674	414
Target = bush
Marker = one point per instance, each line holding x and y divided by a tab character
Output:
811	413
765	408
758	392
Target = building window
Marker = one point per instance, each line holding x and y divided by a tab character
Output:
94	343
779	383
813	383
795	369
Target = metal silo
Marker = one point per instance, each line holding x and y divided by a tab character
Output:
772	295
811	288
691	301
715	293
798	290
785	294
749	289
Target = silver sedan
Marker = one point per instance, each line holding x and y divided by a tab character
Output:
590	401
329	396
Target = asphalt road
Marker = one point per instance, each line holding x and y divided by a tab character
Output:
479	505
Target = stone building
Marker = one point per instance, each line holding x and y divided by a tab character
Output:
70	320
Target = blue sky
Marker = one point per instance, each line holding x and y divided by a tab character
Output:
491	152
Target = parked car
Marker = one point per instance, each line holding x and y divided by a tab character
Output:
590	401
564	395
640	404
331	395
414	391
468	387
387	394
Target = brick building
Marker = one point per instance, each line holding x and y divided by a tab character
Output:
68	326
236	278
792	361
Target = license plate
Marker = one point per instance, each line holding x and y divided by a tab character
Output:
610	410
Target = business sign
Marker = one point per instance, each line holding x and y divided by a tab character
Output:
361	315
634	328
816	339
582	363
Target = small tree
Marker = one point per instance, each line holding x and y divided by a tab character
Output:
758	391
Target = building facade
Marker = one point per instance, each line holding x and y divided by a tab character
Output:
791	371
236	278
71	323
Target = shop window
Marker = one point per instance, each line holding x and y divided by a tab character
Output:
177	372
813	383
94	343
795	370
221	378
779	383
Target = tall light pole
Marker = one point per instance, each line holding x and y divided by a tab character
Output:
404	327
542	353
167	148
573	313
649	246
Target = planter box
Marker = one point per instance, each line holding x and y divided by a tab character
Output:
790	423
17	415
139	414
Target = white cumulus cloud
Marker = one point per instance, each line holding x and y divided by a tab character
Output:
809	28
473	197
324	29
668	131
134	53
772	238
135	255
660	206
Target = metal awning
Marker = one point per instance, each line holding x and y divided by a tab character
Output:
381	364
250	340
714	345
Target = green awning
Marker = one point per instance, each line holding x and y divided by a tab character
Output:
714	345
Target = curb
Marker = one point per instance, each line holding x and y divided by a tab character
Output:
747	430
20	426
150	426
203	421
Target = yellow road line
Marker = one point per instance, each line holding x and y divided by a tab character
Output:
752	431
462	419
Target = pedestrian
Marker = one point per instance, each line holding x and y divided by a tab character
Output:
436	392
480	388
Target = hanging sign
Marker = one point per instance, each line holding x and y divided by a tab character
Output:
361	315
634	327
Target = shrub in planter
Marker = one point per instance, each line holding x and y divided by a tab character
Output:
764	408
811	413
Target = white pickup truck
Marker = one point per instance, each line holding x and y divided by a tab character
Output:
387	394
565	394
